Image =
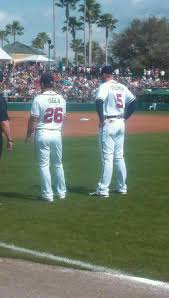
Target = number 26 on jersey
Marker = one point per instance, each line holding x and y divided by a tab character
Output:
53	115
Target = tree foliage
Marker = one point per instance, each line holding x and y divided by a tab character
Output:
93	10
40	41
3	37
107	22
144	44
98	55
14	29
67	5
77	46
74	26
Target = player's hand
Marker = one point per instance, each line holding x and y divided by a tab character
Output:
9	145
28	140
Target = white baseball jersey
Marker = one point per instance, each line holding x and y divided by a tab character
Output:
115	97
50	108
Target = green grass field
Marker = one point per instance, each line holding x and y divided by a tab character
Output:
130	233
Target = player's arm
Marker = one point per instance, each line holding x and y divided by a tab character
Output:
99	109
7	132
101	96
130	108
32	125
33	120
64	108
5	125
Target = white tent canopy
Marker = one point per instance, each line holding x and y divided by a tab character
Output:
4	55
34	58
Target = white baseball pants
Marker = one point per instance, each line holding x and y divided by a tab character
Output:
49	149
111	143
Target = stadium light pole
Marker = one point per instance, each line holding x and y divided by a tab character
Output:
54	31
50	47
85	33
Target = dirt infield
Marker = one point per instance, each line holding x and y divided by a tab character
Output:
21	279
86	124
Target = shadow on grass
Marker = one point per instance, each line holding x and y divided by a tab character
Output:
78	189
16	195
24	196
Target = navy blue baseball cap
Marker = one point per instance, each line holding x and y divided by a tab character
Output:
46	78
107	69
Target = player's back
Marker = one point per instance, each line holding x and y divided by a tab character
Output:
118	96
52	108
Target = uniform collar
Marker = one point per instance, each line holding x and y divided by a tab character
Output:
49	92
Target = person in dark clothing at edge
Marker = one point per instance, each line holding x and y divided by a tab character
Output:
4	122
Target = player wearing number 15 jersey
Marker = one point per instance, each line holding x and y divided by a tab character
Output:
47	114
114	104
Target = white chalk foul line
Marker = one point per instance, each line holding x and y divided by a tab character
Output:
87	266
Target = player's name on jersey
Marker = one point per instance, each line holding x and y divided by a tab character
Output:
117	87
54	100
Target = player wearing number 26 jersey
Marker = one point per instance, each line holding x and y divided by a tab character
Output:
47	114
114	104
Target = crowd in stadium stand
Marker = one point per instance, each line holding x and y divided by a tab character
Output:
21	83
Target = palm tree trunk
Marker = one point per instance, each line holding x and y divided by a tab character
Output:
90	44
67	43
106	50
76	58
67	34
84	20
54	32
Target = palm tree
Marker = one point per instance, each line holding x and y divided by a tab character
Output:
3	37
44	37
106	21
77	46
97	53
74	25
40	41
14	29
67	4
37	43
93	10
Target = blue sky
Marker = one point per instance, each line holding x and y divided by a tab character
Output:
36	16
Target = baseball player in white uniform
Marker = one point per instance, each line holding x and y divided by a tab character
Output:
46	119
114	104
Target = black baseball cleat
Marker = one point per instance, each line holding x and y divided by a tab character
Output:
97	194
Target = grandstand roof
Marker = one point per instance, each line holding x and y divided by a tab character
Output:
20	48
4	55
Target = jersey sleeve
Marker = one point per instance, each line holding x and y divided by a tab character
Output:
3	110
35	109
129	96
102	92
64	106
